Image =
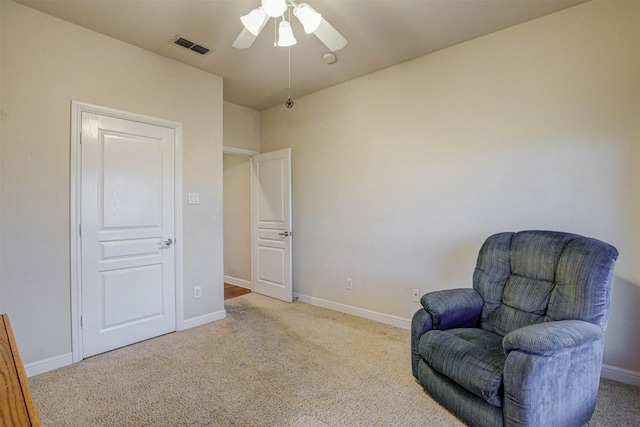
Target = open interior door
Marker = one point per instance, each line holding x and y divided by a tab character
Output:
271	224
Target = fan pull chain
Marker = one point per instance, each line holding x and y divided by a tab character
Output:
289	103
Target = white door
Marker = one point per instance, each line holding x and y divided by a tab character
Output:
271	218
127	232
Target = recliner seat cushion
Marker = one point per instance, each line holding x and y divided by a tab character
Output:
471	357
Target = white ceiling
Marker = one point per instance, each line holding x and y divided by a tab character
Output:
381	33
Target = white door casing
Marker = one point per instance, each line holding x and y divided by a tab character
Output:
271	224
127	274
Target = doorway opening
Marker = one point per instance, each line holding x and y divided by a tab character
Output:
237	219
257	222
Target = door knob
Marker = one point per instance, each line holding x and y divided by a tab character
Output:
284	234
166	243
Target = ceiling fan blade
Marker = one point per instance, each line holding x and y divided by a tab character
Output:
330	36
244	40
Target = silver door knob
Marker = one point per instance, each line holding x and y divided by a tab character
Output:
284	234
166	243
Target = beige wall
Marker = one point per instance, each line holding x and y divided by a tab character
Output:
237	218
241	127
399	176
241	130
46	63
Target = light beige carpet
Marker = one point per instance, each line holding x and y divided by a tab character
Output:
268	363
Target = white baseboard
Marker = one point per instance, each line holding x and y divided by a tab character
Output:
47	365
56	362
388	319
624	376
621	375
202	320
237	282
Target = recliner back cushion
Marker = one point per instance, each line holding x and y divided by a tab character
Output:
583	282
492	272
516	276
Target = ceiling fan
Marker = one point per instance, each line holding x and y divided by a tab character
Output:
311	20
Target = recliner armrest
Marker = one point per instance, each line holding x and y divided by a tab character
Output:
453	308
551	338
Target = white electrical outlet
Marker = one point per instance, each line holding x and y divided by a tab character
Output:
415	295
197	292
349	283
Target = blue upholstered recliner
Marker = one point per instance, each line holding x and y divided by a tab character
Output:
524	346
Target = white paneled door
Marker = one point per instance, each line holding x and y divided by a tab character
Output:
271	218
127	232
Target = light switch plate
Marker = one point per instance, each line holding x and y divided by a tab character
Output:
194	198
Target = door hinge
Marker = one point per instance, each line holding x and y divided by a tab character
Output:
81	321
80	229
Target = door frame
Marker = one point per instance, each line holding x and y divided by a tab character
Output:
241	152
77	108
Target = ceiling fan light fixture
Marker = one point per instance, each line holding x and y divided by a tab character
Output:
285	35
308	17
311	21
255	20
274	8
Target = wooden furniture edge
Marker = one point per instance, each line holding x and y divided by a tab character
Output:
32	411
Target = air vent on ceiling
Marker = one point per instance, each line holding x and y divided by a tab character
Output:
188	44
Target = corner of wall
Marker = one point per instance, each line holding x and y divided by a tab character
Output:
1	121
241	127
